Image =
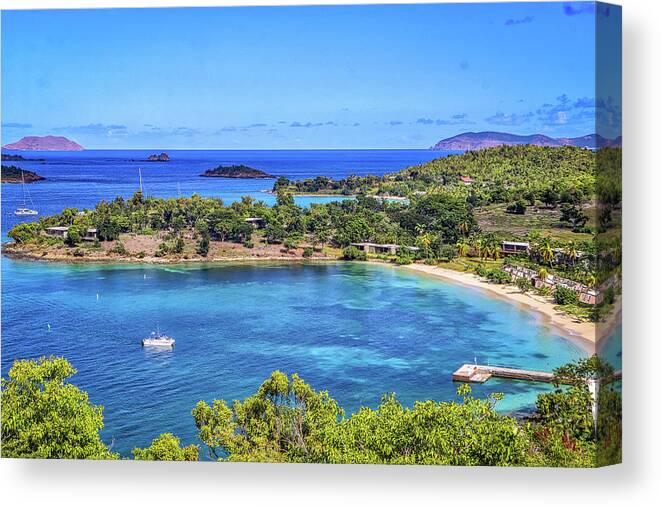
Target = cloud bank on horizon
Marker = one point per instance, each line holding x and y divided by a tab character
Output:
377	76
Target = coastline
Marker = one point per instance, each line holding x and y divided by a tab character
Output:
582	333
585	334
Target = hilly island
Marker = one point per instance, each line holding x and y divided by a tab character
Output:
44	143
482	140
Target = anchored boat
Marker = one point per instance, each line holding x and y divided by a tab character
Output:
24	210
158	339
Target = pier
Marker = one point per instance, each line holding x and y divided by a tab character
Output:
480	374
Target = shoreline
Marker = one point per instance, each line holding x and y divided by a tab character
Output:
585	334
580	332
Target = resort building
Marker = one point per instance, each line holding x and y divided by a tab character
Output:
256	222
514	247
383	248
91	235
586	294
466	180
57	232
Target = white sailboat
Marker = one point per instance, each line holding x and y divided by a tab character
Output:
24	210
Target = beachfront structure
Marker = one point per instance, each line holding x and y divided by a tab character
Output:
383	248
91	235
256	222
62	232
587	295
57	232
515	247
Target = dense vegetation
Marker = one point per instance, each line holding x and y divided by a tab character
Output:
236	171
505	174
287	420
12	174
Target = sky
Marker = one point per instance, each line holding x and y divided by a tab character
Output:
326	77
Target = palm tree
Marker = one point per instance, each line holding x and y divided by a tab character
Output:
570	252
477	245
591	279
542	274
462	248
546	250
463	228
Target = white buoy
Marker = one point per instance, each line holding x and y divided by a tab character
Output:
48	327
97	296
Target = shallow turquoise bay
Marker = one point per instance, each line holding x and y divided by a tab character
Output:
357	330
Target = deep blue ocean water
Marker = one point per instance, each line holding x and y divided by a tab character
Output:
357	330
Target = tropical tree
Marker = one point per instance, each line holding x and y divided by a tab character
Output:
570	252
546	250
44	416
462	247
166	447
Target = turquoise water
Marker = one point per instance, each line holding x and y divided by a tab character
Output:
357	330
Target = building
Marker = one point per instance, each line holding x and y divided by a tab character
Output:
57	232
514	247
256	222
383	248
91	235
466	180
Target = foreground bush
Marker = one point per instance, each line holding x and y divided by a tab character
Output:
43	416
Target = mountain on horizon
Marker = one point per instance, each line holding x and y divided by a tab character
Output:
44	143
482	140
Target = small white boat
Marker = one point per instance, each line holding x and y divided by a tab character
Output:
24	210
157	339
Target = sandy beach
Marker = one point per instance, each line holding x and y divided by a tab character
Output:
584	333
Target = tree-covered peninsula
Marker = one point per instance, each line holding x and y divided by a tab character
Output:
236	171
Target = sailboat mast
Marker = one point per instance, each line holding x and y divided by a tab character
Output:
140	174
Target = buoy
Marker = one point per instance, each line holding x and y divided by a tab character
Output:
97	296
48	327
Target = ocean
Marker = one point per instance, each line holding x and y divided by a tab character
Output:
359	331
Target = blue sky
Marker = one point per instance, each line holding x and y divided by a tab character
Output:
401	76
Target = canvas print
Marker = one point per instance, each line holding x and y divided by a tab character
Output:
375	234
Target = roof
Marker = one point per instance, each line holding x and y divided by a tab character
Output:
57	228
254	219
515	243
466	179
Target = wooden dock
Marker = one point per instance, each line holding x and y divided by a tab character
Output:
480	373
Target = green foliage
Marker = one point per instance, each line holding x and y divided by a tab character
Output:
307	251
43	416
543	291
25	232
565	296
351	253
119	248
74	235
524	285
499	276
283	421
517	208
203	246
166	447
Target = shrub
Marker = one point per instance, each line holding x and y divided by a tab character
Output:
481	270
178	246
351	253
162	250
403	259
517	208
565	296
74	236
543	291
118	249
203	246
307	251
609	296
249	244
499	276
141	254
78	253
524	285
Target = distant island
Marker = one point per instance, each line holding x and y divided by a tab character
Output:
482	140
163	157
44	143
12	174
236	171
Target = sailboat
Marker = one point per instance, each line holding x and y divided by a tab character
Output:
24	210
